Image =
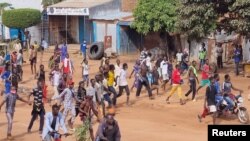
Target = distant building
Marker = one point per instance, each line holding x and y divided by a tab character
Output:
35	31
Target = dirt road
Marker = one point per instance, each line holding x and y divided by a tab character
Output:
145	120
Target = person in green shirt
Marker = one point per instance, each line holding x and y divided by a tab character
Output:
202	55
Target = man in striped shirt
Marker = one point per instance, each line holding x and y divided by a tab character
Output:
38	107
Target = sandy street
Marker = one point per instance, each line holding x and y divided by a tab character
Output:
145	120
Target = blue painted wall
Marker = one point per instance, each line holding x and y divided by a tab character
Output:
85	29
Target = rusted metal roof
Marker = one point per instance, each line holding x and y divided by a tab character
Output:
80	3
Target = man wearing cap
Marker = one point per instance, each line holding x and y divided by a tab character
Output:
68	103
108	129
84	49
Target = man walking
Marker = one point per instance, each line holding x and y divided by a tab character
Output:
38	107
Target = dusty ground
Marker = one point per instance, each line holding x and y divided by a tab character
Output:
145	120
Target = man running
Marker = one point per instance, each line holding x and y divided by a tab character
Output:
204	75
10	101
192	75
123	83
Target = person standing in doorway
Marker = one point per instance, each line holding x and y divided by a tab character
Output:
219	52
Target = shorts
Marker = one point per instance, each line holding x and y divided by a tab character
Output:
19	68
205	82
165	77
86	78
212	108
33	61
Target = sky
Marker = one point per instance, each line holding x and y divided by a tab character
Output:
36	4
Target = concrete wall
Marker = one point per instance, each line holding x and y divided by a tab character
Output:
106	29
107	8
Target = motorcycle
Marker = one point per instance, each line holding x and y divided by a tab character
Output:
239	110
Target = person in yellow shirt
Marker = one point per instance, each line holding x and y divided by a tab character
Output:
36	46
111	81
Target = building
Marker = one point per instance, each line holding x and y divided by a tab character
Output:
94	21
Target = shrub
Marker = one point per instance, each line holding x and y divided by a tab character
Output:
21	18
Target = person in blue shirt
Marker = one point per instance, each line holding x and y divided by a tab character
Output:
6	77
84	49
237	58
218	96
64	51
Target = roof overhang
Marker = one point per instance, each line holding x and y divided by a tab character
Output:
74	7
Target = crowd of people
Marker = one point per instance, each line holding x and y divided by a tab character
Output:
107	85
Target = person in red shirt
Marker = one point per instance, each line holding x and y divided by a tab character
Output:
204	75
176	86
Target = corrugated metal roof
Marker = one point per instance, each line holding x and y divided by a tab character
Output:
80	3
114	16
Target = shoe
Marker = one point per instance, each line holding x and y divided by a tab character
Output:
29	131
199	118
9	137
194	100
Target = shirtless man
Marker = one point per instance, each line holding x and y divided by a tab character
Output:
86	108
143	81
192	76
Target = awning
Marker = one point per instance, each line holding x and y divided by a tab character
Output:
74	7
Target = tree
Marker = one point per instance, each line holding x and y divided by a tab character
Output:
21	18
157	16
197	18
47	3
2	6
240	19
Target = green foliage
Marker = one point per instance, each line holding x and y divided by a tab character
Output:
46	3
21	18
241	20
197	19
82	132
3	5
155	15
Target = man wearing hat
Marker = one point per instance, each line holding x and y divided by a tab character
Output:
84	49
68	97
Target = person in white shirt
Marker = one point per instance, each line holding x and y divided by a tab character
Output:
123	83
17	46
148	61
53	120
179	56
45	44
91	90
117	69
56	76
68	96
164	72
85	71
